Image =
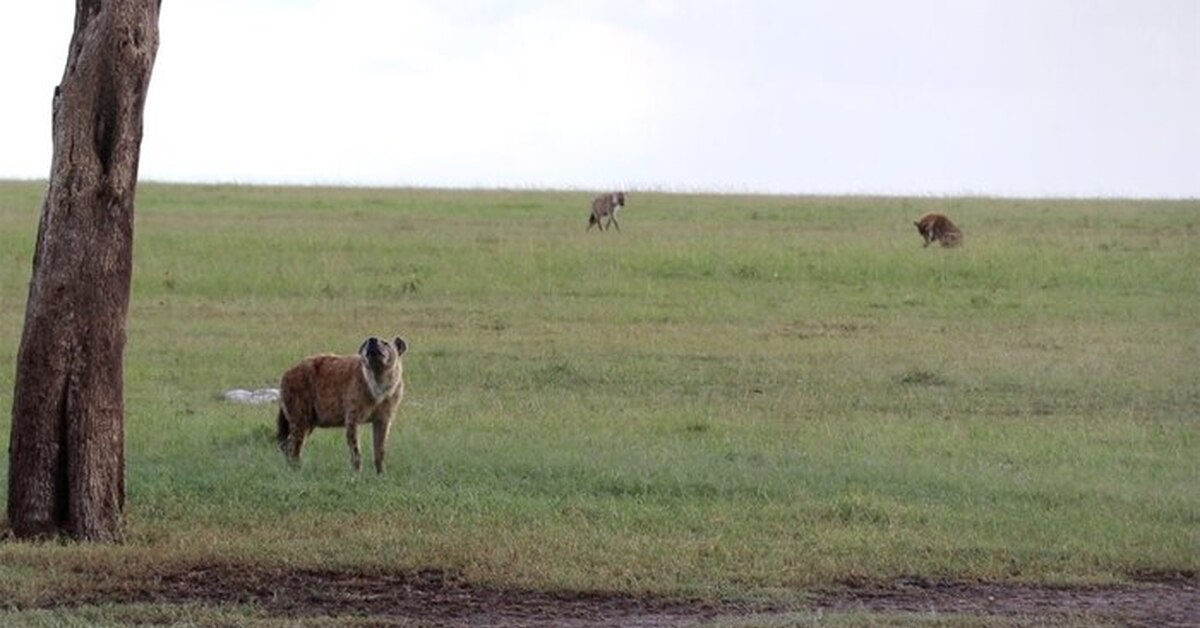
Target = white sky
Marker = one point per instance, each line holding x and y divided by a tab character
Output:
1003	97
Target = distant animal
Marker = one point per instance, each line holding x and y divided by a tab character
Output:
606	205
343	391
936	227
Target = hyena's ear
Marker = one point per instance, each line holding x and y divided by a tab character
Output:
401	346
363	346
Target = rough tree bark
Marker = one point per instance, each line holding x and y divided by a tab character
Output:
66	470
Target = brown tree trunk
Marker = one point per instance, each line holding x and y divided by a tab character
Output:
66	469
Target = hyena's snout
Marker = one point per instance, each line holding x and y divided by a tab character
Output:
376	352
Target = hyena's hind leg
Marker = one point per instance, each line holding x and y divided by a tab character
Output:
283	428
295	444
291	437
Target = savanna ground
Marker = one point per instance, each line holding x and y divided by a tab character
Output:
741	410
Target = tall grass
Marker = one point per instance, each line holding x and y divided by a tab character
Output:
734	396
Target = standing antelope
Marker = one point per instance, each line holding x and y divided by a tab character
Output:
606	205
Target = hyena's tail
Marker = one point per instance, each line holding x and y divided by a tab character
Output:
283	428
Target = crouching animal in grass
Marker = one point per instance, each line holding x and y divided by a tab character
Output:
606	206
343	391
935	227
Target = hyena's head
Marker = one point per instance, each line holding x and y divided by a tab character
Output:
382	356
619	199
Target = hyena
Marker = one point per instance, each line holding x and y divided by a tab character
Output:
343	391
935	227
606	205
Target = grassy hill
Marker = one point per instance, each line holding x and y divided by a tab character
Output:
735	396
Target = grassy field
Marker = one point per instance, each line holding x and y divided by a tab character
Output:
737	396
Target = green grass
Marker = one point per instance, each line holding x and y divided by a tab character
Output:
735	396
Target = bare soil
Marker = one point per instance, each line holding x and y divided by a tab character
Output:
434	598
1171	601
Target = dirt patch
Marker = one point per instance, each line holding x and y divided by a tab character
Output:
1166	603
810	330
436	598
427	598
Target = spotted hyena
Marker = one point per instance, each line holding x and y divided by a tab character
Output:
936	227
343	391
606	205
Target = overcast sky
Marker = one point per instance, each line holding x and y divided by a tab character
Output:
1000	97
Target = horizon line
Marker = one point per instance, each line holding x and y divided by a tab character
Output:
647	189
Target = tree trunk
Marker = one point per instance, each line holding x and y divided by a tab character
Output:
66	470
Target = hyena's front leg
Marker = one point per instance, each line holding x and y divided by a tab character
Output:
352	442
381	427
